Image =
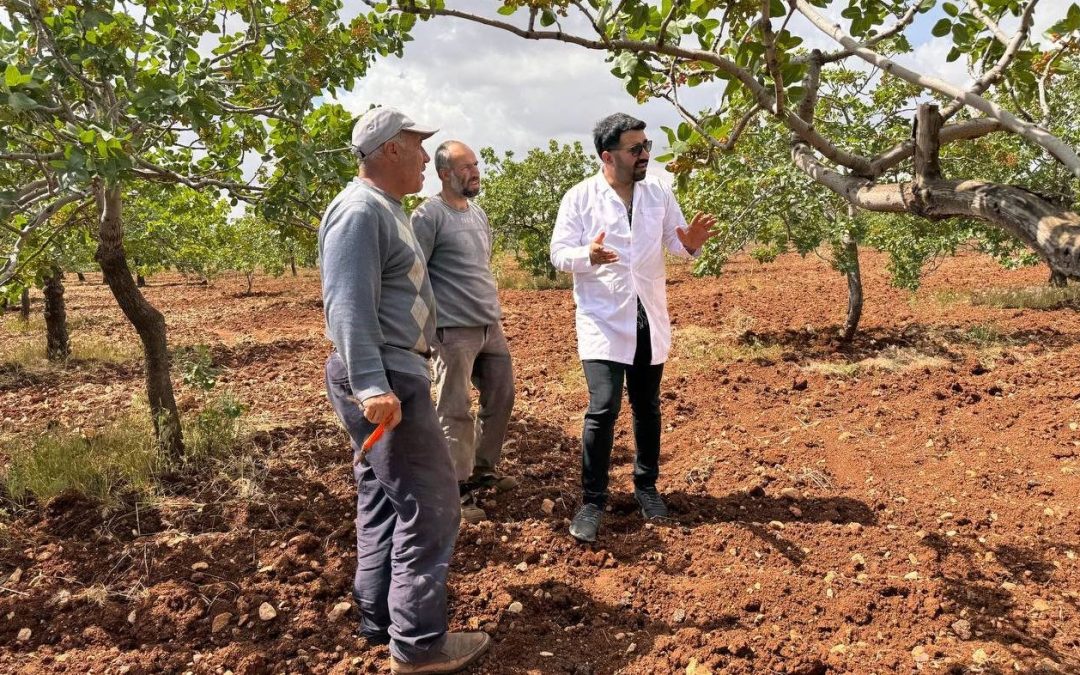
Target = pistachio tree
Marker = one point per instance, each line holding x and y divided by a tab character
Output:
97	96
747	51
521	198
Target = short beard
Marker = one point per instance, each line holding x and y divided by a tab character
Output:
462	188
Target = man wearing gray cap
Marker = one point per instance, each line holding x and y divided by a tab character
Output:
380	315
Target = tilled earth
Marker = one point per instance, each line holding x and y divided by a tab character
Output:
905	503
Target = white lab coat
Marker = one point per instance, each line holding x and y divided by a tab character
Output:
606	295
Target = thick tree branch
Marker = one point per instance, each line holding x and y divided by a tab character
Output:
960	131
1050	230
1010	122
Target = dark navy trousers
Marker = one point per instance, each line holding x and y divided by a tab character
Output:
407	516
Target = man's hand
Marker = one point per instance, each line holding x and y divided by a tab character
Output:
598	255
701	228
383	408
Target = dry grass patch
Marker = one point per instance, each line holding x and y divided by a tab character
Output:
1028	297
120	458
697	348
22	344
889	360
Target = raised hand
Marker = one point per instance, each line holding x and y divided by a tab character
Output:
701	228
598	255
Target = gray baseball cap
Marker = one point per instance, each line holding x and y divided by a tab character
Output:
379	125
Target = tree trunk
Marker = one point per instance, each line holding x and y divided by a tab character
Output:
1058	279
82	277
140	280
57	344
250	276
24	305
854	285
146	319
292	264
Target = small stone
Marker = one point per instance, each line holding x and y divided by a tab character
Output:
220	621
1008	586
979	657
1040	605
267	611
339	611
631	648
838	649
24	635
200	566
776	525
791	493
515	607
858	561
854	527
131	617
920	655
548	507
679	616
620	636
522	566
795	511
962	629
695	668
911	576
546	655
15	576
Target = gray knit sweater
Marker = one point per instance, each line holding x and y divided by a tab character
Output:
380	311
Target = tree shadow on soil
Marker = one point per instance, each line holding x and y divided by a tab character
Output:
579	634
992	608
245	354
803	345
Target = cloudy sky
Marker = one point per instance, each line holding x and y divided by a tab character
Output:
489	88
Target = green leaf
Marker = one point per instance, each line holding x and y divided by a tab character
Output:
507	10
12	76
950	9
21	102
941	28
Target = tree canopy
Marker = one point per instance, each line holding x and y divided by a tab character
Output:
764	75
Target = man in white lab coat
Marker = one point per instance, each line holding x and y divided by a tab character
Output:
611	233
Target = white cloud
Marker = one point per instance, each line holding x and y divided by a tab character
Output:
489	88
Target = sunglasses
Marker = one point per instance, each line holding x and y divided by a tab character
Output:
636	150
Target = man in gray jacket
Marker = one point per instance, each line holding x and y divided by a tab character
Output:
380	315
469	345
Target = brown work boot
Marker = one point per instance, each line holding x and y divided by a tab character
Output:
459	651
491	479
470	512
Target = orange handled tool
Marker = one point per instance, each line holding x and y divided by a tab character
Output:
370	442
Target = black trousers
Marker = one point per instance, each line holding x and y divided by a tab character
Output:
605	381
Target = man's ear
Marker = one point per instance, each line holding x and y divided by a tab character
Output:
605	157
